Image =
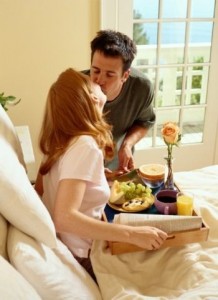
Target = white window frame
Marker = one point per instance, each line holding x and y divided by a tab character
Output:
117	15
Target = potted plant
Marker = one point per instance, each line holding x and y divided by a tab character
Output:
8	100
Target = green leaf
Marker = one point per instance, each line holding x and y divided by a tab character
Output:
11	100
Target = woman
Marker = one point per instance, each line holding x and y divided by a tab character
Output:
75	140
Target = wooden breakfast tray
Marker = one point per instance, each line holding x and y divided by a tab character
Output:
174	240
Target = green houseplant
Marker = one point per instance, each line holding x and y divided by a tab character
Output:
8	100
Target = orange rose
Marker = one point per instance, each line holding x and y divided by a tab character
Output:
170	133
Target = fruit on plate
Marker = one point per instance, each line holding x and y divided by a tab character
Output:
137	204
117	195
124	191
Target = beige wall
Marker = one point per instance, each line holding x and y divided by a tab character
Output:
40	39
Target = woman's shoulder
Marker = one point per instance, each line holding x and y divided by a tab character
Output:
87	139
83	148
83	141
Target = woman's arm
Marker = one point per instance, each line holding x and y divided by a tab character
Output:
67	218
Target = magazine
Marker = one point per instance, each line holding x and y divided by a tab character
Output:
167	223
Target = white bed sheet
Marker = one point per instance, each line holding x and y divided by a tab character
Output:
187	272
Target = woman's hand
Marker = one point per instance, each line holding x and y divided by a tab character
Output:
149	238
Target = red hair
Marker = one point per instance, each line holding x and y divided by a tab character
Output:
69	113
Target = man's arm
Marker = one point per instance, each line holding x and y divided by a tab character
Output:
125	155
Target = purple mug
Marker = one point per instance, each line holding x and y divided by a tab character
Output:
165	202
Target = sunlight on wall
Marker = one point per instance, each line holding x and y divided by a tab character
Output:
39	40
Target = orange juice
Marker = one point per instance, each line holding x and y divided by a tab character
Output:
184	204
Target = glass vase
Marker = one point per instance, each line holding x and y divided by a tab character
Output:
169	181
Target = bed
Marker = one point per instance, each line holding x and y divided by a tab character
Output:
34	264
186	272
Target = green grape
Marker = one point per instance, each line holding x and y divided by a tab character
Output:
148	190
138	191
139	185
122	184
132	184
132	190
124	187
143	188
129	189
129	195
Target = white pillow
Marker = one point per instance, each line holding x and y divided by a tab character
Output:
8	132
12	284
3	236
19	202
55	274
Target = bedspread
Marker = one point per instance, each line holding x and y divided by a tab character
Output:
187	272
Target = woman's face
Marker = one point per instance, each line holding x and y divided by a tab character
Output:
98	96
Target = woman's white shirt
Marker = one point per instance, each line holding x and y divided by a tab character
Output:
83	160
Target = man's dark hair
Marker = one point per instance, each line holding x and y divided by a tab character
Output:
114	44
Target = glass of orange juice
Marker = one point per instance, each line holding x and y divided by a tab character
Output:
185	202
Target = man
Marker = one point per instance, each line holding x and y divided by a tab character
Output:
129	94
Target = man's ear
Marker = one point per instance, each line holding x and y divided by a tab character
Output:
126	75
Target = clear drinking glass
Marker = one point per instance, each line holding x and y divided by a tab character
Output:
185	202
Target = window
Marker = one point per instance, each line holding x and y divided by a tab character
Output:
176	49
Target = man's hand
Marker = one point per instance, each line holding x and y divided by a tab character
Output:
110	175
125	156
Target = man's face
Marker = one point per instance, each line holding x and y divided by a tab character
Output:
108	73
